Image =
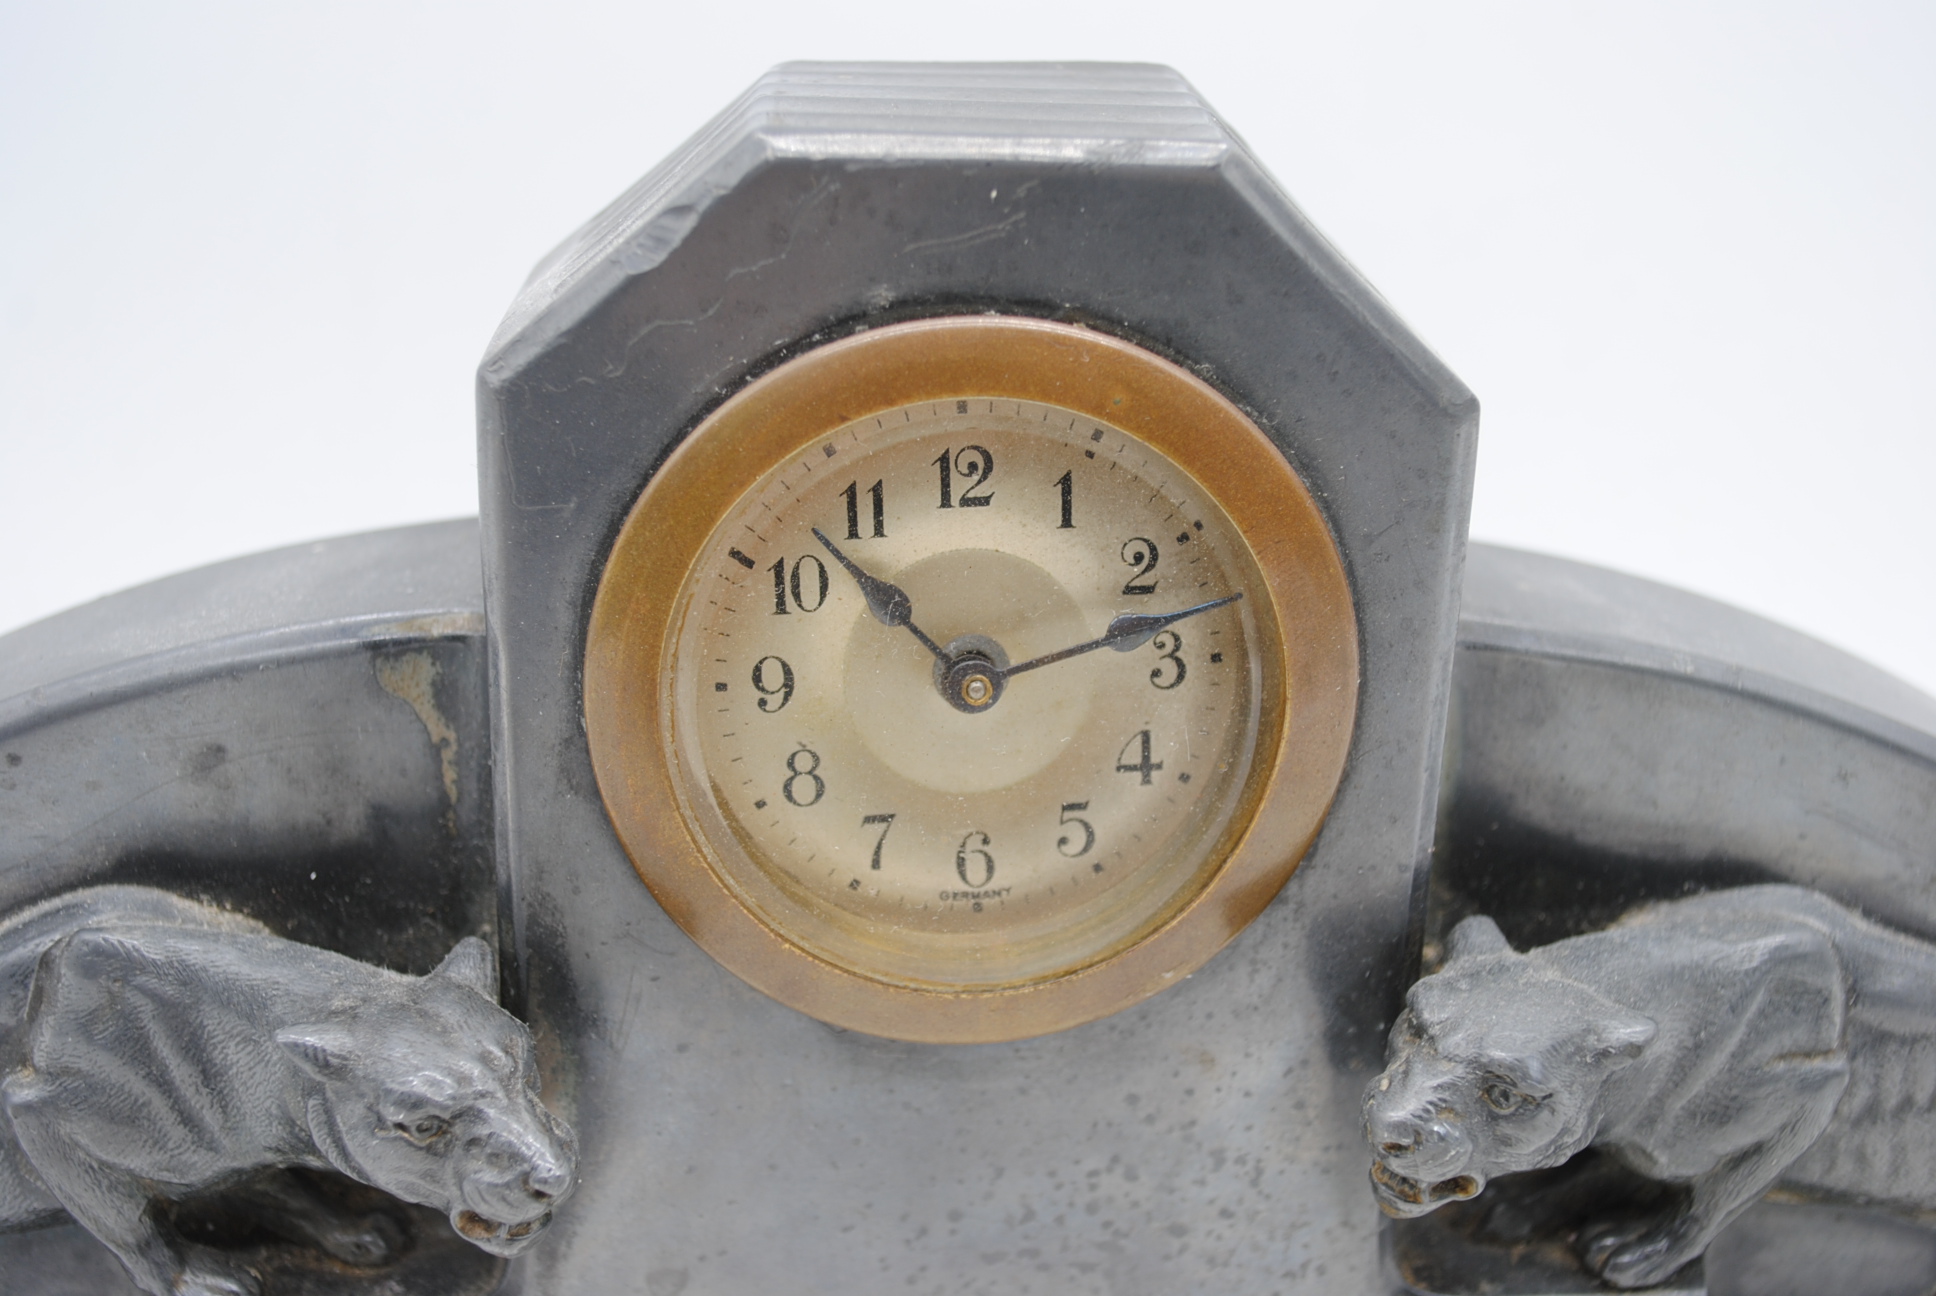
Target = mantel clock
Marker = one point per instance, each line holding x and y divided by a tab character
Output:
973	712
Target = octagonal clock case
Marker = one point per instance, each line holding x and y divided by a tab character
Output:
971	579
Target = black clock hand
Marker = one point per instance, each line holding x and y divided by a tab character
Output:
887	601
1127	632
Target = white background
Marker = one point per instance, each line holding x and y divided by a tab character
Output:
1686	254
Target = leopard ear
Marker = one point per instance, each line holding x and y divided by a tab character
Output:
1476	936
471	963
325	1050
1622	1035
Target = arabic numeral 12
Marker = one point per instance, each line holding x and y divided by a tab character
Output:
977	465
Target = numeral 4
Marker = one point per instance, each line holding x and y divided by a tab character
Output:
1145	766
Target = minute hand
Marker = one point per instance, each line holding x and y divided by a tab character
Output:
1126	633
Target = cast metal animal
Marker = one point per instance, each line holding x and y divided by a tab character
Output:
154	1048
1726	1043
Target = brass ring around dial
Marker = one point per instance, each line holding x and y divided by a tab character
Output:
857	971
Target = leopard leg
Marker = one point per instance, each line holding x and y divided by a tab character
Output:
1650	1251
113	1205
290	1208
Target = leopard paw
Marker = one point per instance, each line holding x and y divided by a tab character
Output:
1638	1254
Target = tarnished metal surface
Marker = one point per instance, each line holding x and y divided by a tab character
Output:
227	735
1203	1139
1619	741
303	736
1615	741
1715	1045
1689	685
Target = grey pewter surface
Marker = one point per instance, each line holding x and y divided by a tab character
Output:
1616	741
1577	785
1724	1043
1204	1138
298	735
229	734
375	749
156	1049
1557	607
353	584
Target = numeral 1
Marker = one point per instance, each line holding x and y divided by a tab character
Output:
1067	481
779	588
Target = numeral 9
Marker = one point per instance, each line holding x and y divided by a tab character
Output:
783	690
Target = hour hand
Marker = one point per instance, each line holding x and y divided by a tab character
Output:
887	601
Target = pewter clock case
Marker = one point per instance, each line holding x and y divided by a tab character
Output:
748	1047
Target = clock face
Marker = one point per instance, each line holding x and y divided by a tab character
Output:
961	816
971	687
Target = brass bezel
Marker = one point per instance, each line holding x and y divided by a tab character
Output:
1304	731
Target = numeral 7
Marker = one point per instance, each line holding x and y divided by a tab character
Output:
886	821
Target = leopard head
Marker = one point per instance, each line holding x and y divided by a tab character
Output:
1497	1065
428	1090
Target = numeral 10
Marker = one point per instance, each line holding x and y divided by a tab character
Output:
783	583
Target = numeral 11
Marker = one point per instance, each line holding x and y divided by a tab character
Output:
875	493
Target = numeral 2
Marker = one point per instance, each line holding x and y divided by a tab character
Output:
1140	552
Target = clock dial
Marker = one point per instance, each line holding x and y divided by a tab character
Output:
970	678
957	820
